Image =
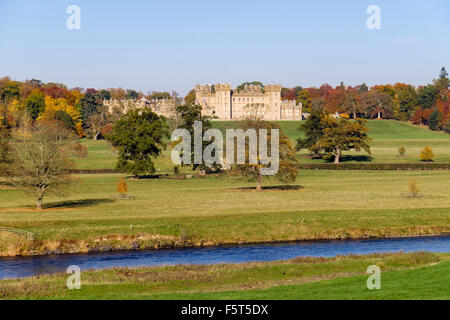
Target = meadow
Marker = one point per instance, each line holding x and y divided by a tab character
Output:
342	277
387	136
220	210
226	210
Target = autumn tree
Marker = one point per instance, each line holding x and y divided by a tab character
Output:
342	135
9	90
427	154
304	97
42	164
139	137
98	121
287	171
377	104
190	97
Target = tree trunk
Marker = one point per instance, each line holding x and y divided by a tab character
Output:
354	115
39	204
96	135
337	156
379	115
258	183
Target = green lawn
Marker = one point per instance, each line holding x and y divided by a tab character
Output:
404	276
387	135
330	204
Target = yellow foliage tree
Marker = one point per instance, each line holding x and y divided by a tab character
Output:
122	187
53	105
427	154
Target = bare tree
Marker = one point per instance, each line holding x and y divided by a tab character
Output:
42	160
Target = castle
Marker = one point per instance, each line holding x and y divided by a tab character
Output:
221	102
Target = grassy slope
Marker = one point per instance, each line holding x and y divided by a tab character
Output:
213	211
387	135
301	278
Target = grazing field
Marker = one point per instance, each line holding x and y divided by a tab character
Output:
404	276
387	135
219	210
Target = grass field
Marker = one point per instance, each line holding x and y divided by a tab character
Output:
387	135
216	210
404	276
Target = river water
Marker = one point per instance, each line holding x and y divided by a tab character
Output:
20	267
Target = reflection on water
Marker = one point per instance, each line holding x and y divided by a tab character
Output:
30	266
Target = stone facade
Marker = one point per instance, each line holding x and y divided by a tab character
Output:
164	107
224	103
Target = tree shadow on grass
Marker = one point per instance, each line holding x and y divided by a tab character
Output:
77	203
364	158
271	188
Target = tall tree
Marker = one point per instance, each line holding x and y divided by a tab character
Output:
35	103
42	165
6	152
427	96
287	171
304	97
89	105
187	115
139	137
378	104
313	131
342	135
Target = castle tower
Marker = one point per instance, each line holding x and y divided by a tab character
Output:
274	92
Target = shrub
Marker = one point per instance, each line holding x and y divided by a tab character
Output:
122	187
413	188
427	154
401	151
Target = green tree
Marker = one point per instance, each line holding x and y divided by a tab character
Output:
363	88
65	118
427	96
139	137
342	135
434	121
187	115
89	105
132	94
313	131
35	103
442	84
6	151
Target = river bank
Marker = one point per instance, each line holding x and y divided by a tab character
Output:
261	280
157	242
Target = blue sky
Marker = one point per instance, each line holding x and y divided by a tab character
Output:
164	45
